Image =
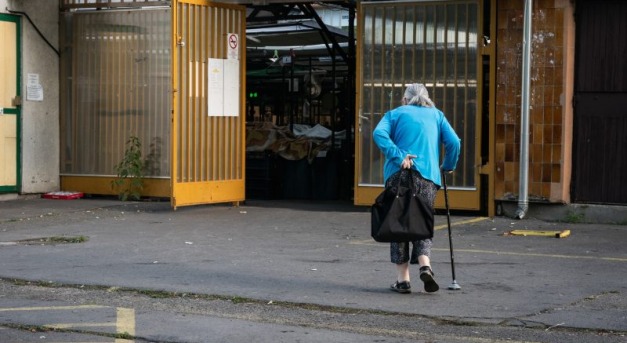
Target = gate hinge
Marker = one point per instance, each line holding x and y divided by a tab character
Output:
486	168
17	101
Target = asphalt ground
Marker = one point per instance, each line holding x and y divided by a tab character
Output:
305	256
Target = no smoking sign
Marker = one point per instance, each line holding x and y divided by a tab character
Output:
233	44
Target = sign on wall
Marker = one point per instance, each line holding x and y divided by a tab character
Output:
34	90
233	46
223	97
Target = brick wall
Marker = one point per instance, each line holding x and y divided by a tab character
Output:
550	116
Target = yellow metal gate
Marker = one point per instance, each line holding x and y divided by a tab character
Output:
208	64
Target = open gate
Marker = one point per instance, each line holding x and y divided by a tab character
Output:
208	83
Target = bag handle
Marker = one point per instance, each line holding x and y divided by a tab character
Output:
411	182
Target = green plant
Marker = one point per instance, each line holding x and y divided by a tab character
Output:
130	171
125	335
574	217
54	240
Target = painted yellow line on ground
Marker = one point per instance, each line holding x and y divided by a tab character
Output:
55	308
125	323
461	222
478	219
576	257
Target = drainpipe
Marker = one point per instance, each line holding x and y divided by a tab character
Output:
523	204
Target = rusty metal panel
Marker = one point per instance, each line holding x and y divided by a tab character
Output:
208	148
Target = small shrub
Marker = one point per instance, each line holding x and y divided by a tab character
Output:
130	171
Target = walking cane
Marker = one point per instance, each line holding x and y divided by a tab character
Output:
453	286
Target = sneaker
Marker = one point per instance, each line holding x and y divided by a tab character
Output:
426	275
401	287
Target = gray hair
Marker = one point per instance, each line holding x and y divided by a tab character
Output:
417	94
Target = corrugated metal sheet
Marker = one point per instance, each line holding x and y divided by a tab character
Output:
117	86
431	43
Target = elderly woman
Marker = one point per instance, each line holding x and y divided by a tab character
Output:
410	137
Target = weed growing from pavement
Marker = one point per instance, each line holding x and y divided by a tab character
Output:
238	300
54	240
130	172
124	335
156	294
256	304
46	328
574	217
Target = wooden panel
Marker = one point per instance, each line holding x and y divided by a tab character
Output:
8	64
601	49
8	150
601	158
10	132
600	120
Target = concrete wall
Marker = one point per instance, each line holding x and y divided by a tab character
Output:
40	119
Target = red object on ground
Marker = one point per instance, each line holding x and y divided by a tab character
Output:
63	195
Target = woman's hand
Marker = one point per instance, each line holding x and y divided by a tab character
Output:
408	161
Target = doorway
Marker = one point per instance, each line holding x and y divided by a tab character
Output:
300	101
9	104
600	117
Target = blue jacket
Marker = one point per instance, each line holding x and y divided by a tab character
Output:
419	131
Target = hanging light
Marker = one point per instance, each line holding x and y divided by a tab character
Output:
275	57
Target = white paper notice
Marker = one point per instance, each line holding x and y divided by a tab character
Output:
34	91
215	98
223	91
231	88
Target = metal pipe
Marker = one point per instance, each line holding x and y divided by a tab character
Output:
523	203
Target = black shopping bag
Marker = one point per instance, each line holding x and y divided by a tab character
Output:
399	215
